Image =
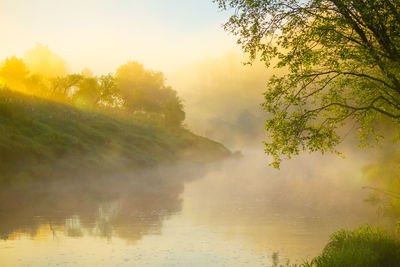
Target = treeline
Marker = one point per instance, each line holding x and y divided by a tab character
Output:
132	89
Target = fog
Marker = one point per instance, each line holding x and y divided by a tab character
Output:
99	166
102	35
231	214
43	61
222	98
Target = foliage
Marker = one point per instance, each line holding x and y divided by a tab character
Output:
342	60
140	88
109	94
62	87
132	89
41	60
39	137
37	84
87	93
363	247
145	90
173	112
13	72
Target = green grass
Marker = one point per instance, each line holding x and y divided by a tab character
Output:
40	138
362	247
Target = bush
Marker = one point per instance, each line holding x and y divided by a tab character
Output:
364	247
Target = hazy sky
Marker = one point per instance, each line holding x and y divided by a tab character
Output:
103	34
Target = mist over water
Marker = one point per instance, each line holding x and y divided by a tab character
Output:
237	212
234	213
131	133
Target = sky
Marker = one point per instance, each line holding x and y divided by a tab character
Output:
103	34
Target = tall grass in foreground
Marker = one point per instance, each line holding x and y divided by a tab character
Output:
363	247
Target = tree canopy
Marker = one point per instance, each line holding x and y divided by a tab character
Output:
13	72
133	89
342	62
41	60
145	90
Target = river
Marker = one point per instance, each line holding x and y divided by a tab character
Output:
235	213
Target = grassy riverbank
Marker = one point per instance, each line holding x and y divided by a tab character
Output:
40	138
363	247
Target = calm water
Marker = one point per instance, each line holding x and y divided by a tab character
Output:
236	213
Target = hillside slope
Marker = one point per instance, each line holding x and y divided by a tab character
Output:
41	138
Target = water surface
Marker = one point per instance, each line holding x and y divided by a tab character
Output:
236	213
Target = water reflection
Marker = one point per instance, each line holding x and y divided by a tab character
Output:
235	213
126	206
293	210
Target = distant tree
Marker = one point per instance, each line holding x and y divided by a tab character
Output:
173	111
145	90
13	72
63	87
343	63
109	92
38	85
141	89
96	91
87	93
41	60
